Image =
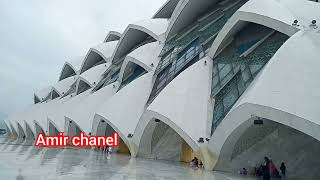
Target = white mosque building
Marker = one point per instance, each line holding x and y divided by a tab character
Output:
227	81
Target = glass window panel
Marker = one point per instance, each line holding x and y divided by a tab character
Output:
214	69
216	89
190	54
172	68
227	78
180	61
230	98
236	67
255	68
224	71
160	84
218	112
241	86
220	66
163	74
246	75
215	81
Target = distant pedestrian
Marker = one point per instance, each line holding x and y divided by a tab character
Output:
283	171
19	177
244	171
265	169
272	168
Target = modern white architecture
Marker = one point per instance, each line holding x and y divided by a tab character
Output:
227	81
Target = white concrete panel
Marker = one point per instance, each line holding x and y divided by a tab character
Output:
135	33
156	26
185	100
56	113
76	63
104	50
144	56
124	109
64	85
186	12
83	113
166	9
93	75
43	93
148	54
112	36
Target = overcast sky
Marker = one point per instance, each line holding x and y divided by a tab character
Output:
37	36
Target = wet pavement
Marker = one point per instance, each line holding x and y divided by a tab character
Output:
29	162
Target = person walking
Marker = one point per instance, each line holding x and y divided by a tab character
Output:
283	171
265	169
272	168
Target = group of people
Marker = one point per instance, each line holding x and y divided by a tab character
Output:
268	170
104	149
195	163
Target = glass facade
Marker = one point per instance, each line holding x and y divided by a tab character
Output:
190	45
239	63
136	73
109	77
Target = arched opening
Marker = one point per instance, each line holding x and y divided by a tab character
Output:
39	129
258	137
160	141
82	87
132	39
167	9
36	99
112	36
21	134
73	129
8	132
66	72
14	134
29	133
93	59
131	72
53	131
54	94
104	129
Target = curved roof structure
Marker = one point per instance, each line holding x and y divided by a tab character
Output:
268	97
112	36
181	102
8	126
118	108
145	56
29	132
93	75
83	113
71	68
186	13
98	54
135	34
42	94
56	114
259	12
64	85
166	9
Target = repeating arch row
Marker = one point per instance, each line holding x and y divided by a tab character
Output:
103	101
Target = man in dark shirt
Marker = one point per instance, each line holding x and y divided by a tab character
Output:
283	171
